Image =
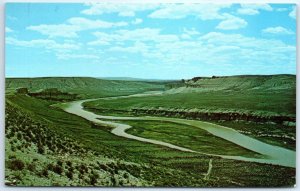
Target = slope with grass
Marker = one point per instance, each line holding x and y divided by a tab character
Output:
224	94
260	106
37	156
85	87
81	153
144	164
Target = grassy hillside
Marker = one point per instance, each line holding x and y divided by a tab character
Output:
259	106
112	160
243	83
269	94
84	86
37	156
47	146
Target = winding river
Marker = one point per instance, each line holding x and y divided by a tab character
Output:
272	154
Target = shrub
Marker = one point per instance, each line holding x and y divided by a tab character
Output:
50	167
93	179
126	176
60	162
83	169
69	163
44	173
19	136
31	167
69	174
58	169
12	157
16	164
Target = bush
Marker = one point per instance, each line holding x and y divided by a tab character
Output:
126	176
50	167
41	149
44	173
58	169
83	169
93	179
31	167
16	164
12	157
19	136
69	163
69	174
60	162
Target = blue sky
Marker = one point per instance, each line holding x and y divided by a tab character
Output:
156	41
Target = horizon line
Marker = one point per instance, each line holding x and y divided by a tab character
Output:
107	78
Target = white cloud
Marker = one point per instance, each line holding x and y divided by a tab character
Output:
232	23
141	34
255	44
101	42
74	25
281	9
292	14
8	30
179	11
246	11
122	9
185	36
76	56
11	18
191	31
46	44
63	51
253	9
190	47
61	30
137	21
136	48
278	30
261	6
86	24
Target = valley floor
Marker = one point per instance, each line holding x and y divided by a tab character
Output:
73	151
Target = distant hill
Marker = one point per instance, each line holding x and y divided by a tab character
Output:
93	87
243	82
135	79
85	86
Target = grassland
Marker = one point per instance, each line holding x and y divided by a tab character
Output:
282	102
84	87
256	106
186	136
72	151
159	166
37	156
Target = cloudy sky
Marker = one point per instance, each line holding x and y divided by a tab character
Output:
156	41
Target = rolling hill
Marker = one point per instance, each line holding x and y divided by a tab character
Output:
237	83
84	86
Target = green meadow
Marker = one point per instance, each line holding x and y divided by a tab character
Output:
47	146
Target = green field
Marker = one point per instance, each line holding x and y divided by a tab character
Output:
187	136
254	97
83	86
45	143
278	100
